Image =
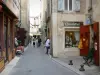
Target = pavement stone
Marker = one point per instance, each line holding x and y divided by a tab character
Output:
11	65
34	61
77	61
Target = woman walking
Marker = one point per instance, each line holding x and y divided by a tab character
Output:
47	44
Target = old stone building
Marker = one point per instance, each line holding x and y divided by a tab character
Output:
64	18
24	29
9	15
63	21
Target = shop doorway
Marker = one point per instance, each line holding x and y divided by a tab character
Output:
5	39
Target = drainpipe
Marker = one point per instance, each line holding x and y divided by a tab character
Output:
51	34
91	26
20	13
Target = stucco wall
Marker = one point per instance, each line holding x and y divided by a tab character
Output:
25	15
61	33
54	35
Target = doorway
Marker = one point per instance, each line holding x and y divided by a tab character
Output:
5	39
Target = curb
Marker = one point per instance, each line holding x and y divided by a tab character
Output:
67	66
25	48
11	65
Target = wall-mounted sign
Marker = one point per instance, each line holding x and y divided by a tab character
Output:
13	5
72	24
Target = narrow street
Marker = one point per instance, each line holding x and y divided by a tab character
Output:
35	62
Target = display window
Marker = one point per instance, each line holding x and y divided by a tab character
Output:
72	39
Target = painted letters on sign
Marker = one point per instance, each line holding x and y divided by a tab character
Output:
71	24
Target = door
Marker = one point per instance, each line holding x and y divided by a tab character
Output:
96	43
5	42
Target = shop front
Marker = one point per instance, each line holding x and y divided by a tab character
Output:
71	38
8	14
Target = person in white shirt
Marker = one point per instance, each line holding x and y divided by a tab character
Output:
16	42
47	44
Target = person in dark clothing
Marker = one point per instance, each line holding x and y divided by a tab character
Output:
34	43
39	42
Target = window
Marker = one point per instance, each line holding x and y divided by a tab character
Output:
68	5
71	39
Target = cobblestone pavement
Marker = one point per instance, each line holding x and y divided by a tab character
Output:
35	62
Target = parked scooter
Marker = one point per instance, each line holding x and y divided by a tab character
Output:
20	50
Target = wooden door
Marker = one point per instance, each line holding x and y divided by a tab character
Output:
84	34
96	43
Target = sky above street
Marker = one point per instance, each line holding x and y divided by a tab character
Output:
34	8
34	11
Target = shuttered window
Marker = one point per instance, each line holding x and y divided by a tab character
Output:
60	5
77	5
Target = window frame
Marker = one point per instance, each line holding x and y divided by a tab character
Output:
77	30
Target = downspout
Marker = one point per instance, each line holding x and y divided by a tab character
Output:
91	26
20	14
51	33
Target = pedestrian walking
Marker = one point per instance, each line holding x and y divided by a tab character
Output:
30	42
16	42
47	44
34	42
39	42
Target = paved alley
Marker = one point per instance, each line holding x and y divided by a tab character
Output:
36	62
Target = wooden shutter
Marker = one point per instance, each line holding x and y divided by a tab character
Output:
60	5
76	5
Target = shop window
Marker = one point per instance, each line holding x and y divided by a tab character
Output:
71	39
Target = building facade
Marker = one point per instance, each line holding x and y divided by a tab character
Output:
63	19
24	30
9	14
43	19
